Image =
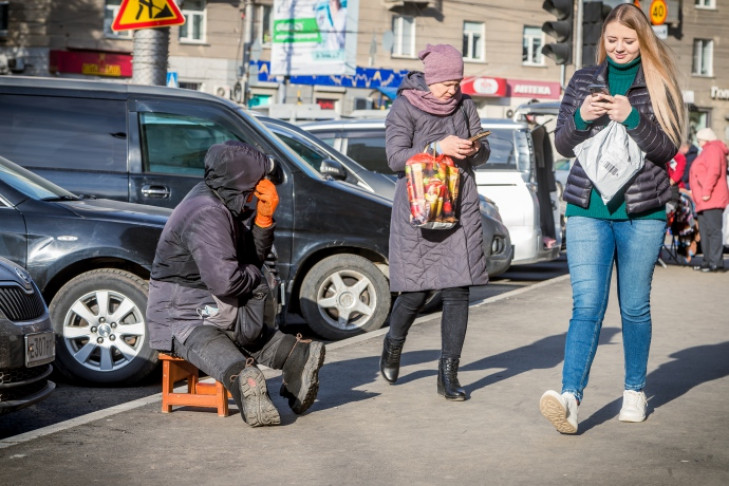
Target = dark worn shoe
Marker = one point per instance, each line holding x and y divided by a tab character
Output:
704	267
390	360
301	374
256	406
713	269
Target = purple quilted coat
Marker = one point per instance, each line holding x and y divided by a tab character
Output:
434	259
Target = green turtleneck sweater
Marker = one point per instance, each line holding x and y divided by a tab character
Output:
620	78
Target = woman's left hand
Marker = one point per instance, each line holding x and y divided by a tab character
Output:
618	109
476	146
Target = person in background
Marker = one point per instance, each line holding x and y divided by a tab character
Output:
676	167
208	263
628	231
690	151
430	111
711	196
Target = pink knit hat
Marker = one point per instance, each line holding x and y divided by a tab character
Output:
442	63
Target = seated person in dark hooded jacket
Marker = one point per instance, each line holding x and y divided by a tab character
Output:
207	266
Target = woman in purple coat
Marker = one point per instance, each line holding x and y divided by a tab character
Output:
430	111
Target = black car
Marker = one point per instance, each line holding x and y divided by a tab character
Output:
26	340
91	260
147	144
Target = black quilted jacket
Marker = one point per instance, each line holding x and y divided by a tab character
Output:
650	188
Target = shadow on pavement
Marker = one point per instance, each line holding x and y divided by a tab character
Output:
691	367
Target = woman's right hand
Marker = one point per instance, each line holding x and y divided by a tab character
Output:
590	110
457	147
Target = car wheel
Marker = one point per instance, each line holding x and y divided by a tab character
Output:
344	295
101	330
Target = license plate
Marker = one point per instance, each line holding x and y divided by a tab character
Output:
40	348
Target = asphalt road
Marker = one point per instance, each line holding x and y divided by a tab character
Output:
70	400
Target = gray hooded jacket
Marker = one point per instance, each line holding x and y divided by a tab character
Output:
207	254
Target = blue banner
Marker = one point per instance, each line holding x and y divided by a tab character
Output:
362	78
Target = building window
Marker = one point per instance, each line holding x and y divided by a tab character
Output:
698	119
403	29
265	25
193	30
703	57
190	85
473	41
531	54
705	3
111	10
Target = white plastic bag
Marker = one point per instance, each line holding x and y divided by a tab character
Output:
611	158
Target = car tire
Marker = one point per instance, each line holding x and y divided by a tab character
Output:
343	296
103	346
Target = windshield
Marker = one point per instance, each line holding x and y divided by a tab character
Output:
510	150
31	184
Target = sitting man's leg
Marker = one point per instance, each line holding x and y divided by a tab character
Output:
212	351
300	361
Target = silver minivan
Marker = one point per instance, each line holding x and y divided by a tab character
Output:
510	178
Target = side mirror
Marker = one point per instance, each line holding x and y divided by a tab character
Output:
333	169
274	172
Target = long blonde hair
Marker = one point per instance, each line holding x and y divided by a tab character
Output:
659	68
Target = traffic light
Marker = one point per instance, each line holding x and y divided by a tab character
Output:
560	29
593	15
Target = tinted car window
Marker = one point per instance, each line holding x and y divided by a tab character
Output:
310	156
369	150
40	131
177	144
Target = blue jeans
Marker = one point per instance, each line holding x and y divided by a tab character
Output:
593	246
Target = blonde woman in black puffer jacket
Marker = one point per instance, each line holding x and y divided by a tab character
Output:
640	92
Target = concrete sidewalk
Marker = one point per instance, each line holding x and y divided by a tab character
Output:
362	431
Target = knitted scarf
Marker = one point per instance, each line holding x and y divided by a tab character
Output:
426	101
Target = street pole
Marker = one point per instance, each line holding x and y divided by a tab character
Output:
151	48
247	42
578	36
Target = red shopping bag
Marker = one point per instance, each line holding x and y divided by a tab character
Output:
433	184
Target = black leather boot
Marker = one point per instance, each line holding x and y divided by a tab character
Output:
390	361
448	384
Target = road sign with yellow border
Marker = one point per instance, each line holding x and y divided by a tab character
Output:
144	14
658	12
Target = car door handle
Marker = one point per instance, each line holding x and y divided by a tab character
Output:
156	191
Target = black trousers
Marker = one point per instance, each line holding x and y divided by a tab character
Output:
710	229
453	324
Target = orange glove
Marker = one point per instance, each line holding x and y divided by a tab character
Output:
267	202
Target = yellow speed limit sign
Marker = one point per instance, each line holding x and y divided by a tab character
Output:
658	12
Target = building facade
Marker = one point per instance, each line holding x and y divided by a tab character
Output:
501	43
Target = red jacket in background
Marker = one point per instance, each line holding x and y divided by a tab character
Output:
707	177
676	167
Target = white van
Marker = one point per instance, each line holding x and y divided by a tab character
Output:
524	190
509	178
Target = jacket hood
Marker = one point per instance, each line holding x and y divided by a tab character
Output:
232	170
413	80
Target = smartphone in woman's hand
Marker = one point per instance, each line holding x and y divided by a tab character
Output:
478	136
598	89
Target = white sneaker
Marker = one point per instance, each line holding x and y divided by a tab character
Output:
634	406
561	410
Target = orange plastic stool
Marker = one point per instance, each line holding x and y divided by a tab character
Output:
207	395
